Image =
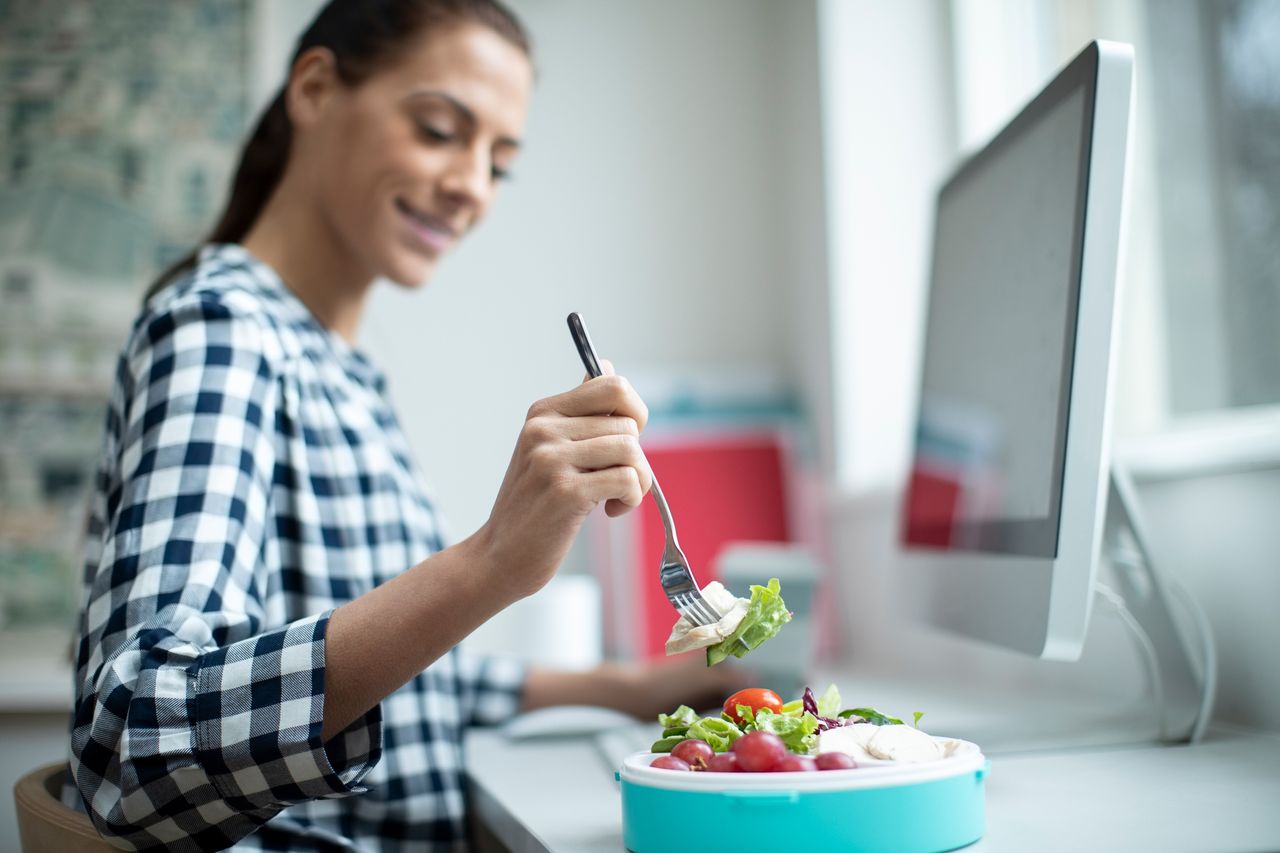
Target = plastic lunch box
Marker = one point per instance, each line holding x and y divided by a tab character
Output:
879	806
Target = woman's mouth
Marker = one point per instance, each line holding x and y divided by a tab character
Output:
434	234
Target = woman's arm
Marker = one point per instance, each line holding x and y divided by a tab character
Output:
576	450
194	722
640	689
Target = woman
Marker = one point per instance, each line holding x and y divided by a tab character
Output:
267	652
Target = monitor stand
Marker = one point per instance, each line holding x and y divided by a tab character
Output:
1184	683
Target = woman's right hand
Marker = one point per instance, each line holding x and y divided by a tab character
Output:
575	450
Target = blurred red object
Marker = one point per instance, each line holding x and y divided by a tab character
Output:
721	488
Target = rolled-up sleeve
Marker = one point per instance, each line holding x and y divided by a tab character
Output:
196	718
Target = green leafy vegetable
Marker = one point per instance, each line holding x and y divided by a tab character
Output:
829	702
871	715
719	733
916	715
684	716
766	614
799	734
665	744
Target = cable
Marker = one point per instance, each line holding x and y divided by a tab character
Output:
1208	674
1209	656
1135	554
1148	649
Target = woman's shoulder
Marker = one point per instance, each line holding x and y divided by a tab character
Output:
226	299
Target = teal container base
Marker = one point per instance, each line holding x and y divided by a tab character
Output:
924	817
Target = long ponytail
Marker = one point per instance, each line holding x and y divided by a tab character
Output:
363	35
261	167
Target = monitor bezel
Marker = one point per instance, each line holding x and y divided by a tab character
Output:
1040	605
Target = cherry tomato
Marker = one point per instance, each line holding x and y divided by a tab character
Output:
754	698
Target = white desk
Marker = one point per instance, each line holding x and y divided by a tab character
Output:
1221	795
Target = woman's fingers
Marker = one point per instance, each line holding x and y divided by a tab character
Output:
611	451
604	395
589	426
613	486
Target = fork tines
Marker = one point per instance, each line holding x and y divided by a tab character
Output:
695	608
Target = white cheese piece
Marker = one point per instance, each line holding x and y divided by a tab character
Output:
685	637
851	740
905	744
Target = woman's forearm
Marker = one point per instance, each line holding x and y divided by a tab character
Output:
608	685
380	640
642	689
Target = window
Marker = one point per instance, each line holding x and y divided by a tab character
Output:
1240	40
1202	314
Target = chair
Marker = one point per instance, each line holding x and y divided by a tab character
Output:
45	825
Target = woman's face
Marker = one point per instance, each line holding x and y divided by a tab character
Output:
409	161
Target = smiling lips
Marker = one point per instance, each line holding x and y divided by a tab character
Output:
435	234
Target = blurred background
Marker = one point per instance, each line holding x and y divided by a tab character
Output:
737	197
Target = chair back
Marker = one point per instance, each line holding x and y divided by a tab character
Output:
45	825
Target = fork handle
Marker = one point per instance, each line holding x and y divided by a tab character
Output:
587	353
672	550
583	342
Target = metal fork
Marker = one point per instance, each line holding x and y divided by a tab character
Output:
675	575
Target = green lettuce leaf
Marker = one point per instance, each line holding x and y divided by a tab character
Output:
766	614
681	717
829	702
719	733
871	715
799	734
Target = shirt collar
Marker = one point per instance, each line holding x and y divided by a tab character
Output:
294	311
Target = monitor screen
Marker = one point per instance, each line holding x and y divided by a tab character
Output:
1005	504
988	465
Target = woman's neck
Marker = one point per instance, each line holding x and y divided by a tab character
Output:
293	238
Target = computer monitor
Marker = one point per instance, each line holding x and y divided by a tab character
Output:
1004	510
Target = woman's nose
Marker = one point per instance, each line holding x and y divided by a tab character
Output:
470	178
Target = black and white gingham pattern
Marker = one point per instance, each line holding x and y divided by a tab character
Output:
254	477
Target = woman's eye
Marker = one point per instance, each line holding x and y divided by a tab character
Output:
500	174
435	134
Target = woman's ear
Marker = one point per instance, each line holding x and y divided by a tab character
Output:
312	83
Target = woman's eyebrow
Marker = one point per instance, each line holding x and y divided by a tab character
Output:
462	109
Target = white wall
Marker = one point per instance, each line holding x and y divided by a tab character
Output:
889	141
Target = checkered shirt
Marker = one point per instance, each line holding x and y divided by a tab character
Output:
254	477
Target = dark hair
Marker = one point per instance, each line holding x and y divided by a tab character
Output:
364	36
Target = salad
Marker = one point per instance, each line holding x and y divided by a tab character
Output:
746	623
757	732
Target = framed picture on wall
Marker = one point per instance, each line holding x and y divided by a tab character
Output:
119	126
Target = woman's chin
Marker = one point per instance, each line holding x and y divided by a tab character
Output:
410	271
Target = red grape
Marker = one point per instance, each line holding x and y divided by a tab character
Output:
725	762
696	753
669	762
791	763
835	761
759	751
